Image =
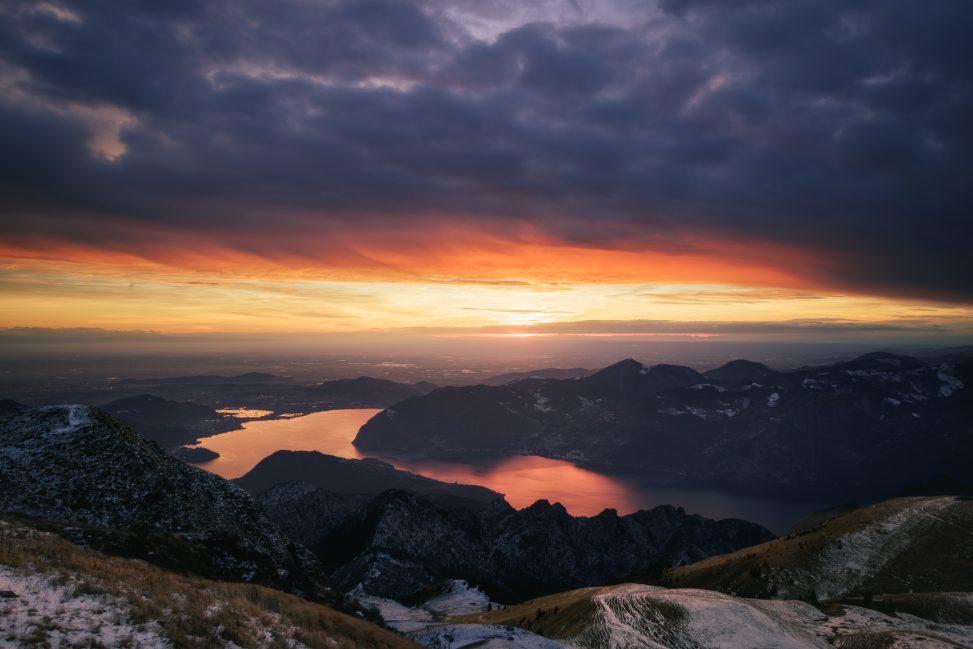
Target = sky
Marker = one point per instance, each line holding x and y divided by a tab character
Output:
489	167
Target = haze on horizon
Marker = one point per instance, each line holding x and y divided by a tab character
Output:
416	172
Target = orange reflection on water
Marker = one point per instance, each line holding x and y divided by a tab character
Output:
527	478
522	479
329	432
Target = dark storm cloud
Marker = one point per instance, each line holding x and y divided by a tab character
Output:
841	128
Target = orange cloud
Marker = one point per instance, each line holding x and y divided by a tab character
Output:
437	253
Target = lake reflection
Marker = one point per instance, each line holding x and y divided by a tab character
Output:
522	479
329	432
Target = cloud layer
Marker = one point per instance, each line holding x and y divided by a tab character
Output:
831	139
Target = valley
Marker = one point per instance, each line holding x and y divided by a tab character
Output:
472	540
584	490
486	324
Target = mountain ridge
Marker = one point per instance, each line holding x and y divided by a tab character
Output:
398	544
873	423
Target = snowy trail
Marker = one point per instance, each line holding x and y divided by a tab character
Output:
653	618
942	520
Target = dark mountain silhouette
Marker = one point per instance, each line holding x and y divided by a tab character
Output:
170	423
262	392
9	407
368	477
399	544
544	373
739	370
84	469
250	378
938	485
366	392
871	423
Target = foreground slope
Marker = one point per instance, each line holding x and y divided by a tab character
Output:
79	466
59	594
921	544
637	616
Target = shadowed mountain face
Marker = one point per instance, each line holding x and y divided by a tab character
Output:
357	477
875	422
545	373
170	423
9	407
256	391
367	392
77	466
397	544
739	370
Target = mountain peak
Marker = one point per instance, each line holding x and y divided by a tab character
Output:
626	365
882	362
9	407
739	370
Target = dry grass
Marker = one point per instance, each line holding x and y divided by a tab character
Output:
868	640
932	563
191	611
559	616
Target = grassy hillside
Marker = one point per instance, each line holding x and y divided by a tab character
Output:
896	546
559	616
54	578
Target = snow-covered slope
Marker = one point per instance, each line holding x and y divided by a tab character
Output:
633	616
919	544
36	608
59	595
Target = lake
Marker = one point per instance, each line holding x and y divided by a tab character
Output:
522	479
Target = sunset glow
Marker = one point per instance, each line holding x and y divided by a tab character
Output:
377	184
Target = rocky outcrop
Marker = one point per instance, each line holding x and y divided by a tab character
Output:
398	544
89	473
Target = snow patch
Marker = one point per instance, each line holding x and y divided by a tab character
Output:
875	375
649	618
950	383
459	599
66	618
773	399
673	412
540	403
707	386
481	636
76	417
643	616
